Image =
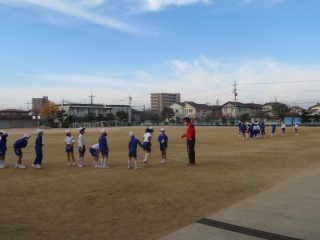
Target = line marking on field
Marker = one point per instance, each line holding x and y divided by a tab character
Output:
244	230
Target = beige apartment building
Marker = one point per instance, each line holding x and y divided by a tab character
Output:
37	103
161	100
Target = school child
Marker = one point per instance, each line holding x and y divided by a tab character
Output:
296	129
104	149
256	130
3	148
273	130
263	129
38	147
283	129
132	146
94	150
251	130
243	129
239	125
248	131
17	146
147	144
81	147
69	142
163	140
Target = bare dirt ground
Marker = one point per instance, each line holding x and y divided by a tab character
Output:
61	202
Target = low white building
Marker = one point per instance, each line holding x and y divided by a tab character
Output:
79	110
178	109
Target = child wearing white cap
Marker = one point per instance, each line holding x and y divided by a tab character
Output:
38	147
17	146
103	148
3	148
69	142
94	150
147	143
81	147
163	140
132	146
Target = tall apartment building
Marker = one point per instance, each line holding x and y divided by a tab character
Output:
161	100
37	103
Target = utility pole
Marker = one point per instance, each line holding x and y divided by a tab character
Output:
130	99
91	98
235	101
28	106
217	105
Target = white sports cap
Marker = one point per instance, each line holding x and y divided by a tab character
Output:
162	130
103	131
68	131
4	133
26	135
131	134
81	129
40	131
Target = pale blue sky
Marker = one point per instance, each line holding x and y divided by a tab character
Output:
68	49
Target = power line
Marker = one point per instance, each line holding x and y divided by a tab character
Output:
279	92
258	83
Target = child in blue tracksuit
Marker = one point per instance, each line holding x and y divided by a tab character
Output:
243	130
251	130
17	146
38	147
103	148
163	140
3	148
273	129
132	146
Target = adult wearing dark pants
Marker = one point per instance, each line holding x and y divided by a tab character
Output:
190	136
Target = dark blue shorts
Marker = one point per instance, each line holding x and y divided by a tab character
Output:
146	146
93	152
133	153
18	152
104	153
162	148
69	150
83	150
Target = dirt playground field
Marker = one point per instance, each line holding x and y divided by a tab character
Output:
61	202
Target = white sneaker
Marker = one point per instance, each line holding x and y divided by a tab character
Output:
97	166
17	165
21	166
161	161
37	166
69	164
2	166
164	161
146	162
74	164
136	168
106	166
32	165
79	165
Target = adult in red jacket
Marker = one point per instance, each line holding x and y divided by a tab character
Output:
190	136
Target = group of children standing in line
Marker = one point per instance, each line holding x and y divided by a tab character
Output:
254	130
95	150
